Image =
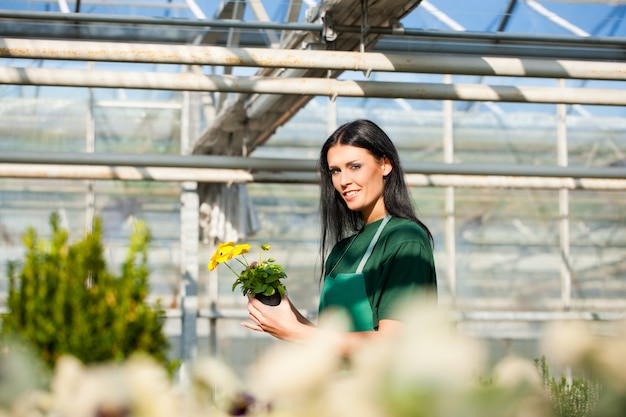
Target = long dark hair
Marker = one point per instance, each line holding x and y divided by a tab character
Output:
337	220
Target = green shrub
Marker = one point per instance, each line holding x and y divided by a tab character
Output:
577	398
63	300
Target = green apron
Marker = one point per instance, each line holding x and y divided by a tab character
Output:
347	291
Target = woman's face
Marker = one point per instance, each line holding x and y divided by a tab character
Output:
359	177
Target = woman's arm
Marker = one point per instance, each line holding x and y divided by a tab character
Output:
285	322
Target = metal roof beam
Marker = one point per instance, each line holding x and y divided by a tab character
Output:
554	18
310	86
297	165
229	176
261	15
448	21
63	6
74	18
305	59
468	47
293	14
195	9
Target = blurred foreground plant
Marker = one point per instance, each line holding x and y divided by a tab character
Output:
577	397
429	369
599	357
63	300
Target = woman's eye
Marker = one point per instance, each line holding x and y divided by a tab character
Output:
355	167
334	171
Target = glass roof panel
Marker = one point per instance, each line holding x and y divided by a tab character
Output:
530	17
533	17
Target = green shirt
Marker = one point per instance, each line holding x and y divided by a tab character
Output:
401	264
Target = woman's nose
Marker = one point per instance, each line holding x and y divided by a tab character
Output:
345	178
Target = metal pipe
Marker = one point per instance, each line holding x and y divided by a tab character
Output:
309	59
513	182
554	18
507	15
564	223
313	27
227	176
494	36
445	47
158	161
158	21
449	225
310	86
65	8
123	173
538	315
256	165
460	316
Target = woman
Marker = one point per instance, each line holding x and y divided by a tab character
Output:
381	252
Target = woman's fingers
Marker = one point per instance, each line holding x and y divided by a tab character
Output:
252	326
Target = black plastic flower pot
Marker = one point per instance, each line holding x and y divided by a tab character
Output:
269	300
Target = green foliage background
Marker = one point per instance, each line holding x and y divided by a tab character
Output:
63	300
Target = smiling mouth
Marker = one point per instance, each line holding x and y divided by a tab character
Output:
350	194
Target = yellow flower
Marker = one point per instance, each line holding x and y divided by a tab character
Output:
239	249
223	253
212	265
226	252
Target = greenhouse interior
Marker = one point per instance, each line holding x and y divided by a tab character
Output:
205	119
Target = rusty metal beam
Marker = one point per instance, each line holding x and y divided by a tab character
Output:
305	59
299	87
228	176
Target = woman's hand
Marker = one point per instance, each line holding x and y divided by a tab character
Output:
283	321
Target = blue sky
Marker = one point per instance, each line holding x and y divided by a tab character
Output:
485	15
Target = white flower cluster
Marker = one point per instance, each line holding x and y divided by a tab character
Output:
428	370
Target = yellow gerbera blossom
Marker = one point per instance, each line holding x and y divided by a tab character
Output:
226	252
212	265
239	249
223	253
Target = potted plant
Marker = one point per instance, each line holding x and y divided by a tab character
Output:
261	278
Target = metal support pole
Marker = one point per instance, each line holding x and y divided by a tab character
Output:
554	18
213	290
234	176
155	21
90	147
189	217
244	169
189	232
364	25
448	158
63	6
309	59
311	86
562	152
311	27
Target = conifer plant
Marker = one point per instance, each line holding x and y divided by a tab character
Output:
62	300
